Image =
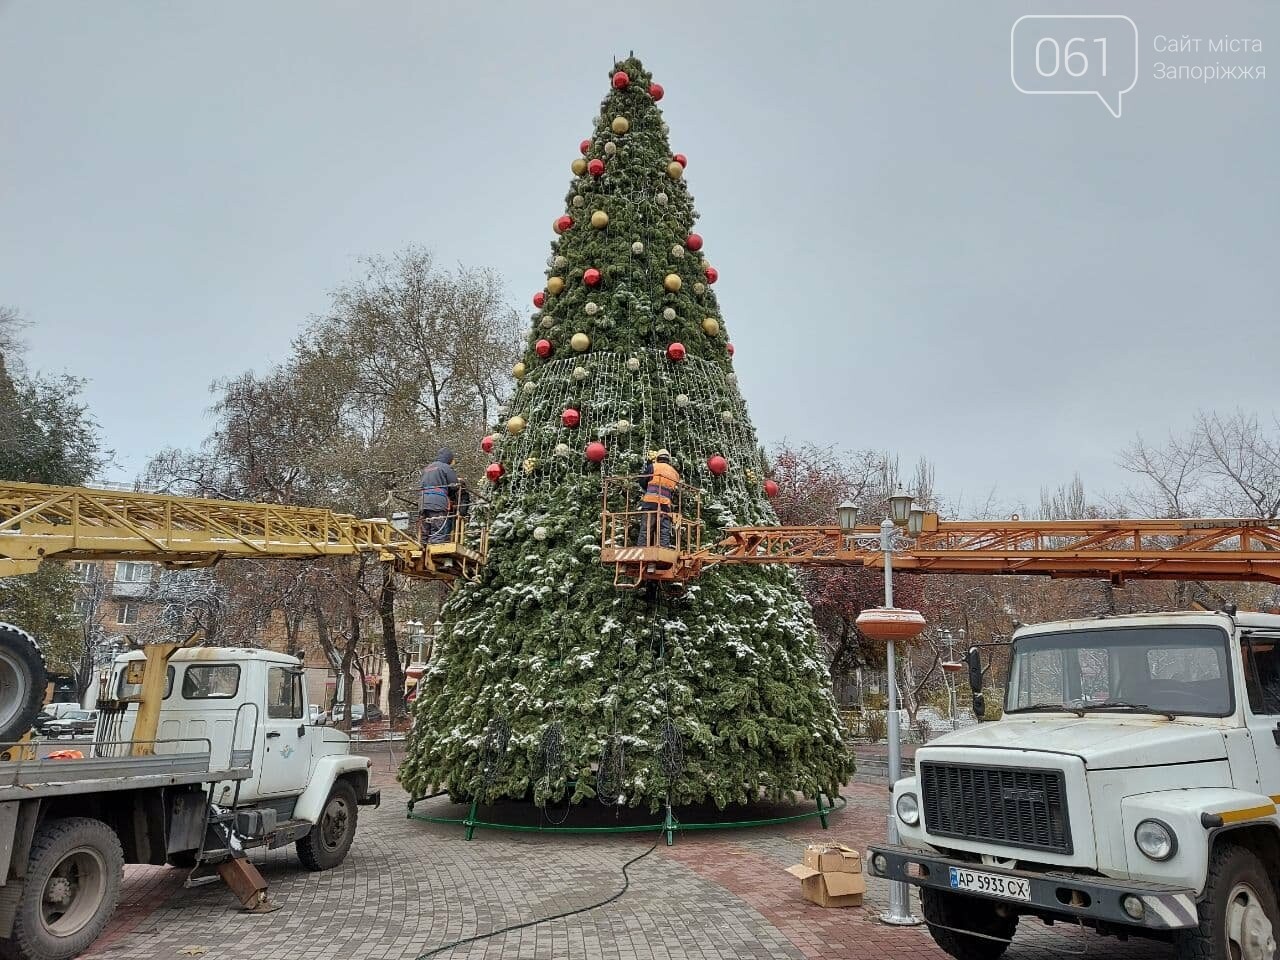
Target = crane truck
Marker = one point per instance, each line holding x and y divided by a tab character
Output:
1130	786
200	754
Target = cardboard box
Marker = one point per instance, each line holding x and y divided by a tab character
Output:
832	858
834	889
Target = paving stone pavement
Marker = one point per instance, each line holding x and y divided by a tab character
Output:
409	886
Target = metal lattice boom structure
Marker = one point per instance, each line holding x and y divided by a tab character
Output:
1117	550
40	522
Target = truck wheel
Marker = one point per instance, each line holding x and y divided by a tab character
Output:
955	910
1238	916
327	844
73	883
22	682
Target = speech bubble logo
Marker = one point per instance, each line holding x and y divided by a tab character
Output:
1075	54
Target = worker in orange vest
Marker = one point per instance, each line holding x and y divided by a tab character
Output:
659	482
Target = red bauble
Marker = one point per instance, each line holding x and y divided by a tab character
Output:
770	489
712	274
487	444
571	417
542	348
620	80
675	351
681	159
539	299
494	472
584	146
591	277
564	223
717	464
595	167
595	451
656	91
693	242
729	347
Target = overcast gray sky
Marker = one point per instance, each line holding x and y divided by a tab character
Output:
913	254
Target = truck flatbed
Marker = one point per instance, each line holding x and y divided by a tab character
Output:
27	779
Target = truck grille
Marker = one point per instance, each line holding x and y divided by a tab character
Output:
1016	806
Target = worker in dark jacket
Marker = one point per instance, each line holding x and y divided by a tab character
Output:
659	482
439	493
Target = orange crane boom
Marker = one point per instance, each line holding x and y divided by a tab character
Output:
1213	549
1118	550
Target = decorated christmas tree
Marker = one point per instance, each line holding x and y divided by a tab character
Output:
547	680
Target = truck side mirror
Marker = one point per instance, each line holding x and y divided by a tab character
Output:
974	659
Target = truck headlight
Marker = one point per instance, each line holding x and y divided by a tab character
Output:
908	809
1156	839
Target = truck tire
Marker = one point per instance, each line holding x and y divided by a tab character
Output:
1238	915
22	682
327	844
959	912
71	890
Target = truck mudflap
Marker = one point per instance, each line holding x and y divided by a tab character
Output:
1065	894
372	798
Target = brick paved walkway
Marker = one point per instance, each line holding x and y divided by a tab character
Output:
408	886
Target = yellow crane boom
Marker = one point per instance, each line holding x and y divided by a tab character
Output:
39	522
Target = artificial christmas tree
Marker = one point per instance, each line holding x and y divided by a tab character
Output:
547	680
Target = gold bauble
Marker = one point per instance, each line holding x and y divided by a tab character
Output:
674	170
579	341
599	219
555	285
515	425
620	125
579	167
518	370
671	282
530	464
710	326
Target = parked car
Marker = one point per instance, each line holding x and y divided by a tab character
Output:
358	714
51	712
314	713
73	723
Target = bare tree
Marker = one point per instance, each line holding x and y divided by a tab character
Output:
91	590
1224	465
182	603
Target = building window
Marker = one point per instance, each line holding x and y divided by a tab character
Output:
82	607
85	570
128	571
127	614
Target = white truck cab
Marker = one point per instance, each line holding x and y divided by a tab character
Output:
251	706
1130	785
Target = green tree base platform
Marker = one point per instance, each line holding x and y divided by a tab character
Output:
516	816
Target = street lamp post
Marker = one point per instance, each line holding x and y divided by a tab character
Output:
885	624
899	913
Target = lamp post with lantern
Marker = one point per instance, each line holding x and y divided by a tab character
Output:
891	624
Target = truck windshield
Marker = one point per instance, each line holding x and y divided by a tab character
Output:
1171	669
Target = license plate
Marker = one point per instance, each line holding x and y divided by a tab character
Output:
991	884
